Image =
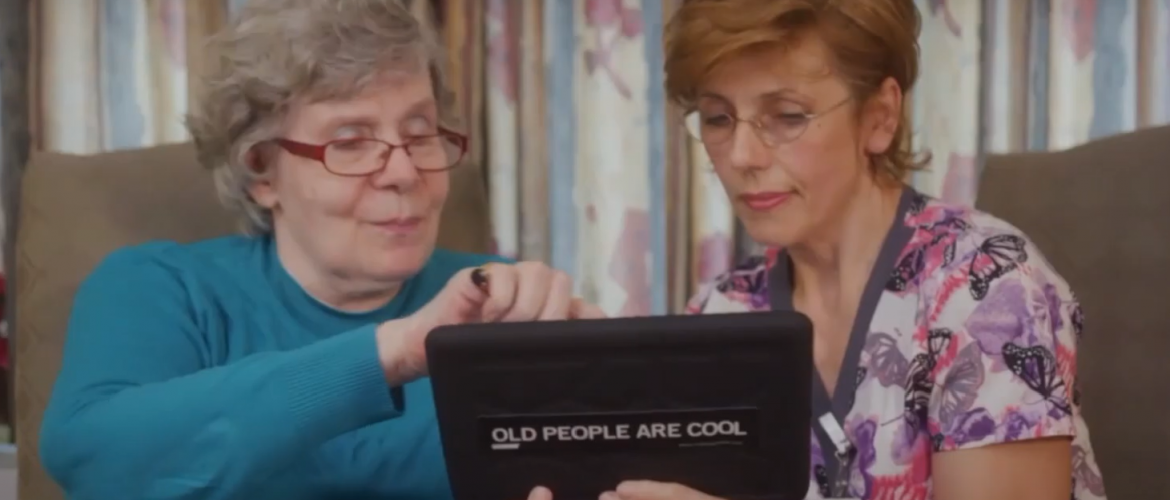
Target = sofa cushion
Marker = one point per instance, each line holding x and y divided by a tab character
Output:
76	209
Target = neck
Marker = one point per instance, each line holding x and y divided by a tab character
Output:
832	268
335	289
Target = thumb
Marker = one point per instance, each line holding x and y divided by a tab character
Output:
651	490
461	297
585	310
540	493
471	283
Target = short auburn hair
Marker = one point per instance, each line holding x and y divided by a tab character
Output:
868	41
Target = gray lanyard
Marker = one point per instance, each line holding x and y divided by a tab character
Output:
843	452
830	412
837	450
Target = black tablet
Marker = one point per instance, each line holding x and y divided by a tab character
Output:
720	403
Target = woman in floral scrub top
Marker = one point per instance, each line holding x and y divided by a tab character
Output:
945	344
965	338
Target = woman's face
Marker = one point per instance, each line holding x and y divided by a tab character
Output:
788	189
380	227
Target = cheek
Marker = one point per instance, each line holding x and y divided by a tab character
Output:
437	186
309	191
823	162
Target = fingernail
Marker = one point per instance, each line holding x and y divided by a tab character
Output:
479	278
609	495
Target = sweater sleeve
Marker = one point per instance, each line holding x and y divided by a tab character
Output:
139	410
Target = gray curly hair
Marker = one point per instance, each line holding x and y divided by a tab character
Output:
278	51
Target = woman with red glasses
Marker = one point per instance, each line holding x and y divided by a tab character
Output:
288	363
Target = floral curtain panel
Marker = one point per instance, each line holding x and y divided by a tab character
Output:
586	165
113	74
1004	75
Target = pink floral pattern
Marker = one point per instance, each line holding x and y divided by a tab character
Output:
602	15
972	343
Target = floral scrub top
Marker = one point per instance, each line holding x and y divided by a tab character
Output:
965	337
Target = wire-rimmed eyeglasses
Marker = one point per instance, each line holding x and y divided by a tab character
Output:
772	128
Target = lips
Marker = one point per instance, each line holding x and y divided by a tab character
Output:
399	224
765	200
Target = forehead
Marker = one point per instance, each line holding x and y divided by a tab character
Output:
377	94
383	98
404	83
801	66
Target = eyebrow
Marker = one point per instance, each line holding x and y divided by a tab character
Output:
780	93
783	93
423	105
366	119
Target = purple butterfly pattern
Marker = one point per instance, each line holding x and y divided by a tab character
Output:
887	362
996	319
961	387
863	432
972	343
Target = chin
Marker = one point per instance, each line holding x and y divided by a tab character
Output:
398	256
773	234
399	263
782	227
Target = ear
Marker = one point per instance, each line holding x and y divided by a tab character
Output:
261	190
883	116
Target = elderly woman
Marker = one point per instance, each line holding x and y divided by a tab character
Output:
945	345
289	364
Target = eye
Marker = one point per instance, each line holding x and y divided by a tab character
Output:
354	144
790	118
719	120
714	112
786	113
351	132
418	125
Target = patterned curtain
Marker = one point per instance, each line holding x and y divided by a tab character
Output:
1007	75
113	73
633	209
588	168
586	163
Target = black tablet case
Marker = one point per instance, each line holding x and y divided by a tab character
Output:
740	380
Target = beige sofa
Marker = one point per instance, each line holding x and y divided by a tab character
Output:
1101	213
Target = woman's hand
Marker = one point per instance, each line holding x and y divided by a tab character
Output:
637	490
540	493
651	490
527	291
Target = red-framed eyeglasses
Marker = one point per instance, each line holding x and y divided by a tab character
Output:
364	155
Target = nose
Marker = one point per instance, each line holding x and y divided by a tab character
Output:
745	149
398	173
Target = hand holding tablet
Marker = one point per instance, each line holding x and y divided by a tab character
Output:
719	403
639	490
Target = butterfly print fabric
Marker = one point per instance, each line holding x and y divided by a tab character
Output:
972	342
